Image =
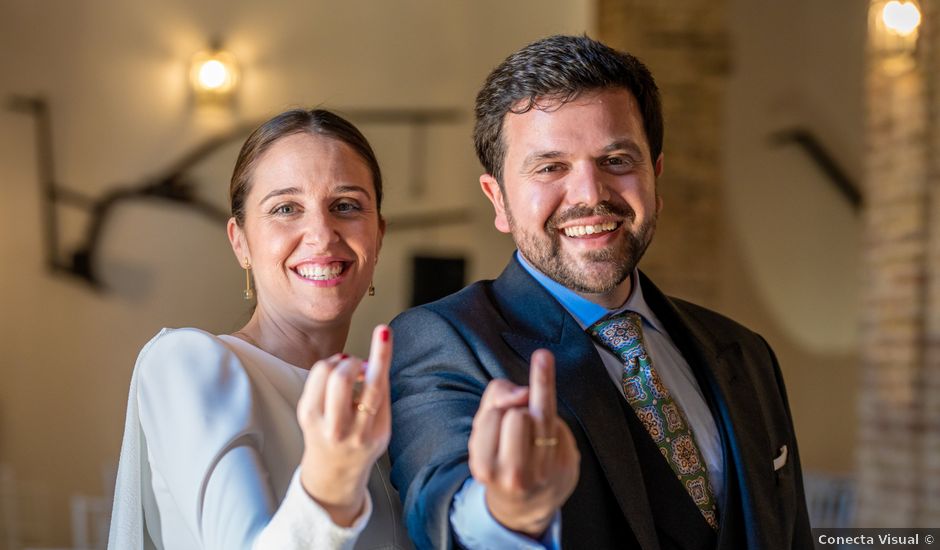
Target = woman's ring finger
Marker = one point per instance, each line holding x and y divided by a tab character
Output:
362	407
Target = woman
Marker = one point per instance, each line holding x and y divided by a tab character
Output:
230	442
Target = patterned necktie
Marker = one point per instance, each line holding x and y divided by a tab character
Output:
656	409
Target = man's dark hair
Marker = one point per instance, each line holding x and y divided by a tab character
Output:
559	68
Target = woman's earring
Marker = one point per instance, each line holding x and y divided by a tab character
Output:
249	294
371	289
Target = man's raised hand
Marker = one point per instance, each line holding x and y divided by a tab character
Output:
522	452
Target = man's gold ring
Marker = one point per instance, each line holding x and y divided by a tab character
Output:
362	407
546	441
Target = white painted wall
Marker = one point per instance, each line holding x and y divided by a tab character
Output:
793	255
798	65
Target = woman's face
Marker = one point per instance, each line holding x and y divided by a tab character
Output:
312	230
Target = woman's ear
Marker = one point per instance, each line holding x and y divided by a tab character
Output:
378	247
236	237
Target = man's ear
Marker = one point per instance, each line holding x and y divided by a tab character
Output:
494	192
236	237
657	171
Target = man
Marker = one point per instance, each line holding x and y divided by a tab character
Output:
671	427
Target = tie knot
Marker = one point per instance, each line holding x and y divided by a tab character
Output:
621	334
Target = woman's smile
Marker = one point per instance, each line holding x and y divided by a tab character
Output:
322	272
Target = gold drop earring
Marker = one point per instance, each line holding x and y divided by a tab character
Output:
372	283
249	294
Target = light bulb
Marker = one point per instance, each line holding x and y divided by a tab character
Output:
901	18
214	75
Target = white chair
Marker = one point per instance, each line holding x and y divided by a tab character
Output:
830	499
25	513
9	524
91	518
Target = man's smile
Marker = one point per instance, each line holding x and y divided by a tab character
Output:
578	231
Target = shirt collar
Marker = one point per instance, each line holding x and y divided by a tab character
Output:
586	312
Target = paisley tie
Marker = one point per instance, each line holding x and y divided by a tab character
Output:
656	408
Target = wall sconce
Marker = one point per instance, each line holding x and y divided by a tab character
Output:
214	76
893	31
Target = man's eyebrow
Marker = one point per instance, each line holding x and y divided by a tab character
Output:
627	144
351	189
279	192
539	156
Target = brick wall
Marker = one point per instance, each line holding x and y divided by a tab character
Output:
899	401
930	437
685	44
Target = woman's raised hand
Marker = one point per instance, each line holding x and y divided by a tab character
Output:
345	415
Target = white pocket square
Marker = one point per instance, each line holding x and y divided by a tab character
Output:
781	458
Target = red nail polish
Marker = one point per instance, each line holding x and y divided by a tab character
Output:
385	334
343	356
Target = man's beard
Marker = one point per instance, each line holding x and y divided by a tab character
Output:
593	271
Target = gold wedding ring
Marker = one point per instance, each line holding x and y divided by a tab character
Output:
546	441
362	407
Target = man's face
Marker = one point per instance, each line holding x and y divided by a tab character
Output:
579	189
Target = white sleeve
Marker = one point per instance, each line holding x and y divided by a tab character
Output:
204	441
301	523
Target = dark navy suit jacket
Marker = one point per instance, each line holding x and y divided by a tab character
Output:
627	497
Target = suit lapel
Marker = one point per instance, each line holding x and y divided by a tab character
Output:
720	369
536	321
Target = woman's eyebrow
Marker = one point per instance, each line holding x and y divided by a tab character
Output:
279	192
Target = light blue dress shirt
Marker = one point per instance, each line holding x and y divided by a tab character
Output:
469	517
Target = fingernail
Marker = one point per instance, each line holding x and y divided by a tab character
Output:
343	356
385	334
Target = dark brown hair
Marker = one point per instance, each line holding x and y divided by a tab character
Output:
559	68
318	122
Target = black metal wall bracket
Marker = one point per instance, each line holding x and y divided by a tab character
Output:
823	160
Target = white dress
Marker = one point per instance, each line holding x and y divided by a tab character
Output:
211	452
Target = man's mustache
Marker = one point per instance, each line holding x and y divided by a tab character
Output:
622	211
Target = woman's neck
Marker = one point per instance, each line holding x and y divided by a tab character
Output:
299	346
